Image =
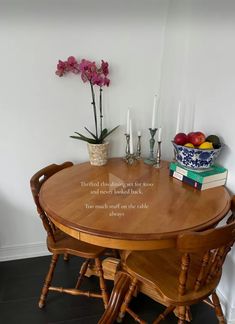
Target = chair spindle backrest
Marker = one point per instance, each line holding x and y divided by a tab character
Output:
212	245
36	182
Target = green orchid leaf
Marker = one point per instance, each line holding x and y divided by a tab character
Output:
96	140
108	133
84	138
79	134
93	135
89	140
103	133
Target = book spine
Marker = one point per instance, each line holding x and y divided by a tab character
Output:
197	176
185	179
190	174
186	173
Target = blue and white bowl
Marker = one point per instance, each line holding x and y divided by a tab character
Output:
194	158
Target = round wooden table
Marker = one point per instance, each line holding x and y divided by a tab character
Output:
130	207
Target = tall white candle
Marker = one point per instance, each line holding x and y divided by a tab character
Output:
131	139
178	119
159	134
139	133
154	111
128	122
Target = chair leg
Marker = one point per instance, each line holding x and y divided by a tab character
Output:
218	309
82	273
182	314
103	288
188	314
162	316
127	300
48	280
66	257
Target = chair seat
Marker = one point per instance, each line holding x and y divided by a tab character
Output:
160	269
67	244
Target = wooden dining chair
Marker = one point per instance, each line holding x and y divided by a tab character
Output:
185	275
59	243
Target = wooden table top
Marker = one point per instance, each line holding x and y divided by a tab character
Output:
123	206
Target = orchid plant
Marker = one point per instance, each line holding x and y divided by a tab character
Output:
96	76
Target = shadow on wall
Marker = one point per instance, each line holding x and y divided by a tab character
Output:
225	154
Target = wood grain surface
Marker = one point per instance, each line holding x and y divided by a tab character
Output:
123	206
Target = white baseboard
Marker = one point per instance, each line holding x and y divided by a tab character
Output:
23	251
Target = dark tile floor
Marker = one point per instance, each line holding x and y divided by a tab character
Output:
21	282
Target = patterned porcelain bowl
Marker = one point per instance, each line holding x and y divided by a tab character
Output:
194	158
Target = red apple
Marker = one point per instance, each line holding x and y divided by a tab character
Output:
196	138
181	139
190	137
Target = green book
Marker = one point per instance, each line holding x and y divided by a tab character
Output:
195	184
214	173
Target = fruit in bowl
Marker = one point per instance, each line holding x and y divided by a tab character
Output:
196	138
189	145
196	151
214	139
206	146
181	139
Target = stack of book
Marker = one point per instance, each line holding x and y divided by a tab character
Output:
199	179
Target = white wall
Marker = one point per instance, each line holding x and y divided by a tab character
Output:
199	67
40	110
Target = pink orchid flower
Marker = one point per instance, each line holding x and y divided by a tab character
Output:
105	68
61	68
106	82
72	65
97	79
86	65
95	75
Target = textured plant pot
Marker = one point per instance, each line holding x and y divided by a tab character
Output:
98	153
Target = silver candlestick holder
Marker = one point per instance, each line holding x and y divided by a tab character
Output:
129	157
127	151
158	157
151	159
138	153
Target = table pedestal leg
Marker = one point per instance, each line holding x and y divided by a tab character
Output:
110	267
120	288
